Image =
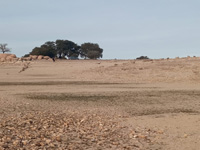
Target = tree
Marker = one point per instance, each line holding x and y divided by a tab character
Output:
47	49
142	57
66	48
91	51
4	49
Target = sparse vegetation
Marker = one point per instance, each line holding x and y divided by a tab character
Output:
134	103
68	97
4	49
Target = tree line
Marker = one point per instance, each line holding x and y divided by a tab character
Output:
65	48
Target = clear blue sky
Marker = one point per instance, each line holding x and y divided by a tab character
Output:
125	29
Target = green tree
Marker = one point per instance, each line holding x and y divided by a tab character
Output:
91	51
47	49
66	48
4	49
142	57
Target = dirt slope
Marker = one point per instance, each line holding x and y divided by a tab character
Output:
100	104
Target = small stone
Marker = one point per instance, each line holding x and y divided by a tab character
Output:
38	144
51	145
115	143
5	146
58	138
93	140
48	141
185	135
142	136
160	132
25	142
8	139
15	143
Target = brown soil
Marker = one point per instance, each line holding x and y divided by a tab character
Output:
100	104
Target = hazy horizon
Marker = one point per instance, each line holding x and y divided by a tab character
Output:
124	29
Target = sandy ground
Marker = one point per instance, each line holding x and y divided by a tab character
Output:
113	104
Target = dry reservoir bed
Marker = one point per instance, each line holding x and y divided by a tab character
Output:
84	105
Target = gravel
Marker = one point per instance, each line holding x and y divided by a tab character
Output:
47	130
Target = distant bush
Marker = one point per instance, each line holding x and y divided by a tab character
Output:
26	55
142	57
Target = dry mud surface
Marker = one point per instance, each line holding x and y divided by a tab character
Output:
100	104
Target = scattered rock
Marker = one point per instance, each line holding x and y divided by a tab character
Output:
185	136
33	57
7	57
46	57
44	130
40	57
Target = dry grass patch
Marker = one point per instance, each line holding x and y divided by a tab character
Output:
67	97
149	102
163	111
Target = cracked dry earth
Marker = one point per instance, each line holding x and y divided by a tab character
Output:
86	104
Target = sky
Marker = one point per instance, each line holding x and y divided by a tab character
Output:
124	29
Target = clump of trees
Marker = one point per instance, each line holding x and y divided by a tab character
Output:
65	48
4	49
